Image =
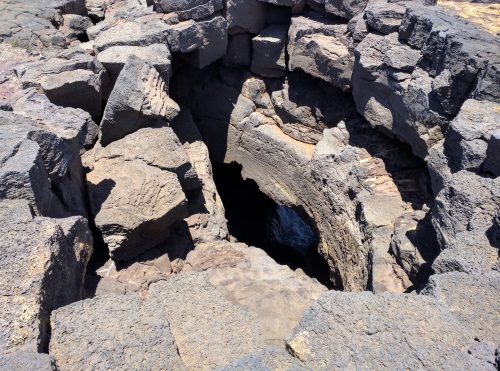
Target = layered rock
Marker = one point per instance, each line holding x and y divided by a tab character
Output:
43	262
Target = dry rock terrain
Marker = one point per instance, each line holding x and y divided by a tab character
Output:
374	123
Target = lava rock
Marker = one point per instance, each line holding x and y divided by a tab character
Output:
389	331
269	52
473	298
134	204
209	330
467	138
239	50
246	16
42	263
272	358
321	49
119	332
189	9
463	215
493	154
27	361
138	99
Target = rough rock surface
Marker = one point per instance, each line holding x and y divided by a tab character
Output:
117	332
269	52
473	298
272	358
42	265
319	47
249	278
27	361
464	219
362	330
134	204
209	330
138	99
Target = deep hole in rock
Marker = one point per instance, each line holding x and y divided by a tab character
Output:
251	216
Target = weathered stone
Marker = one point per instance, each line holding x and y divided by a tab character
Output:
321	49
77	89
344	8
157	147
269	51
96	9
209	330
384	18
493	154
251	279
272	358
239	50
27	361
133	204
189	9
75	26
462	216
213	33
118	332
138	99
473	298
42	265
366	331
246	16
113	59
184	37
142	32
469	133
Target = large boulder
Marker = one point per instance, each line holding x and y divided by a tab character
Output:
113	59
467	138
320	48
27	361
133	204
119	332
246	16
209	330
464	219
269	51
386	332
473	298
138	99
42	264
190	9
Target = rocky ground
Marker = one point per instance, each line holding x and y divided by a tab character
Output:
377	121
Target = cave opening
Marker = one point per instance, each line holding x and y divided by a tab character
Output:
255	219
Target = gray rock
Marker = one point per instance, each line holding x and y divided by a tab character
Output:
358	28
246	16
30	25
345	8
32	73
75	26
493	154
42	265
320	48
184	37
142	32
239	50
272	358
473	298
158	147
118	332
209	330
463	214
189	9
138	99
213	33
384	18
269	51
469	133
289	3
134	204
96	9
77	89
27	361
113	59
366	331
